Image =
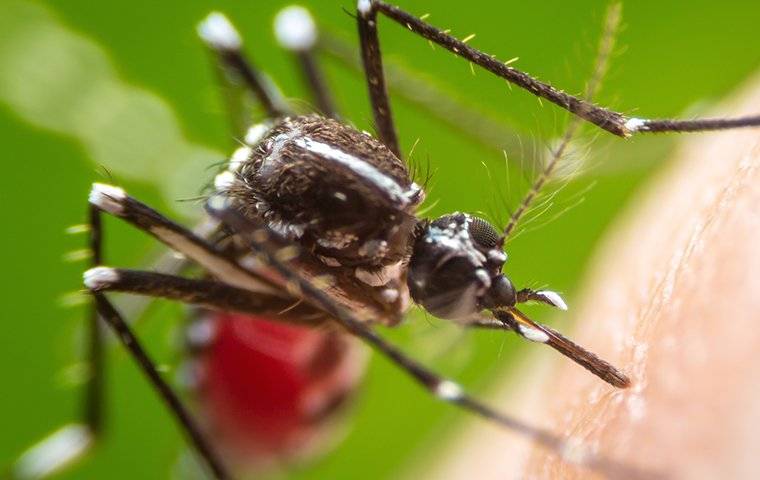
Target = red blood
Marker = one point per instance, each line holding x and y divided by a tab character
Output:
271	391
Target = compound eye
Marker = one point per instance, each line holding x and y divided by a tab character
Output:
484	234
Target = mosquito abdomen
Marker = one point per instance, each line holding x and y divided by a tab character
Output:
269	392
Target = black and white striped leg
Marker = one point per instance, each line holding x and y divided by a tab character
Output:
260	241
224	40
112	317
206	293
297	32
611	121
105	311
373	71
116	202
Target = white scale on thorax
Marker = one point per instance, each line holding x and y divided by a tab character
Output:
362	169
224	180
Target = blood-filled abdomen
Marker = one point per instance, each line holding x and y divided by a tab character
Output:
268	392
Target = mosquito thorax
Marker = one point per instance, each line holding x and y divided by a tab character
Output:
455	268
337	191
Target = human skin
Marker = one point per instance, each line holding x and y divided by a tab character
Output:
673	298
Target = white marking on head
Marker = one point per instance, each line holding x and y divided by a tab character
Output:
107	198
533	334
458	239
497	256
364	6
99	277
483	277
238	158
254	134
340	196
553	298
295	29
448	390
54	452
359	167
634	124
218	32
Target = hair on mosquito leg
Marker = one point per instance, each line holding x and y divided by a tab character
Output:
611	121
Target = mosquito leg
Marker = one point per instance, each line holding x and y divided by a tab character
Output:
93	405
111	316
296	31
373	71
210	294
611	121
316	81
116	202
225	41
73	441
167	262
432	99
544	296
260	240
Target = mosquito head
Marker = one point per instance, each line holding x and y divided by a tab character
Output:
455	269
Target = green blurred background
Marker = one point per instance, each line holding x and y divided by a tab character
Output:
673	58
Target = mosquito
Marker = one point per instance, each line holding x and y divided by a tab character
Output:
314	225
